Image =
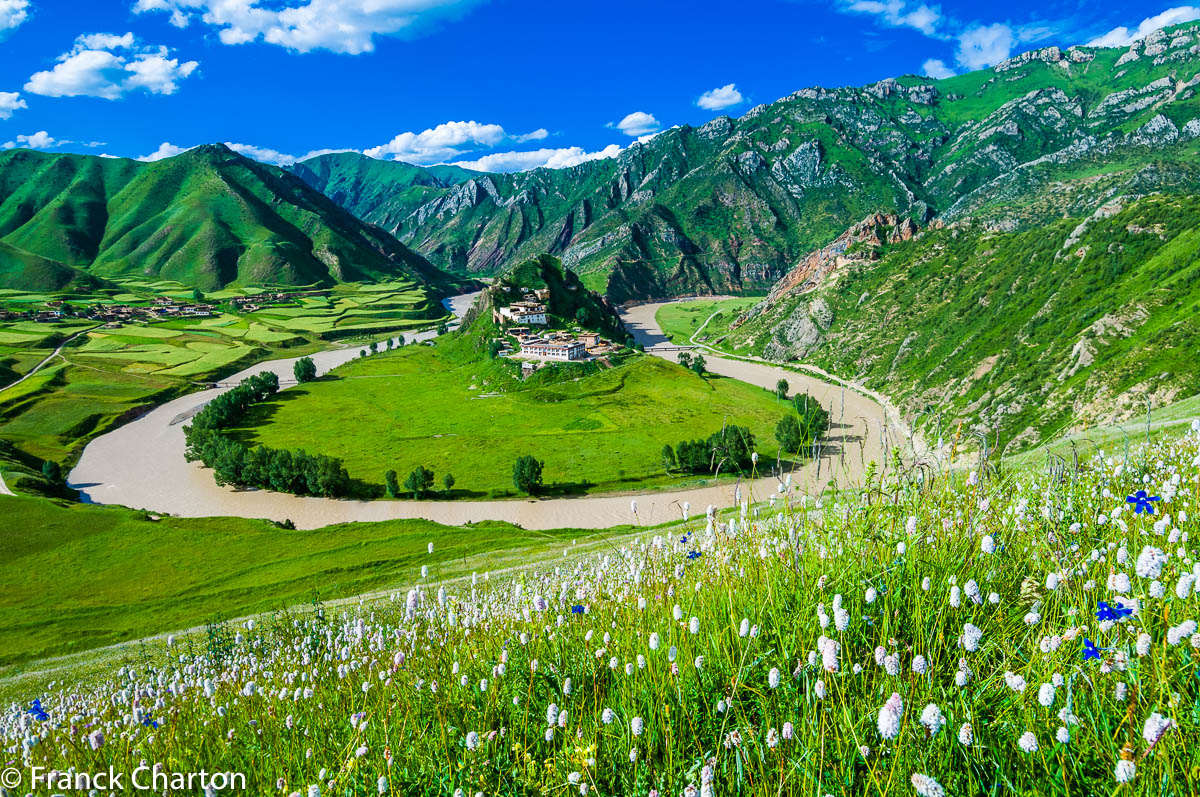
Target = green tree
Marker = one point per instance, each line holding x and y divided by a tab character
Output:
442	328
781	389
685	359
788	433
494	349
52	471
392	482
197	296
668	458
399	340
814	419
583	316
699	365
448	481
305	369
527	474
419	481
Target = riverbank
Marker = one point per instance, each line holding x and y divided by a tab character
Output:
141	465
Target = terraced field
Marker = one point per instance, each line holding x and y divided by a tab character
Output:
112	370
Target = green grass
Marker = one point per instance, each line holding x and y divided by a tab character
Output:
680	321
79	577
425	406
759	660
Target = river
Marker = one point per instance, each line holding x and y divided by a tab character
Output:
141	464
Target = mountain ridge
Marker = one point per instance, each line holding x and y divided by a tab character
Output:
208	217
729	206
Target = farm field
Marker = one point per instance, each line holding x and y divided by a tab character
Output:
680	320
425	406
114	369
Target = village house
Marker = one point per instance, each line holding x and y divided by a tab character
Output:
523	313
562	351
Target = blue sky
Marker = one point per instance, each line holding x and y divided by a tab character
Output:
493	84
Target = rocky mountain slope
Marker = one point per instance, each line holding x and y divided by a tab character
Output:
208	218
1018	334
379	192
733	204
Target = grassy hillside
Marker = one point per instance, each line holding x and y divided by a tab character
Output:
208	218
731	205
1019	335
69	587
1028	634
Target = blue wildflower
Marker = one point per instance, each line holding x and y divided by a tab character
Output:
1090	651
150	722
36	711
1106	613
1142	502
577	609
683	540
694	554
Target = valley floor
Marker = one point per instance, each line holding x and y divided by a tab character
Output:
141	464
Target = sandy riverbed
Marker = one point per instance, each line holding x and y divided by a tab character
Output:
141	464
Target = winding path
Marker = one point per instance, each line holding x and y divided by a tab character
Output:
46	361
141	464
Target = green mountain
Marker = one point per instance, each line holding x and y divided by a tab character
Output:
732	205
208	217
1016	334
379	192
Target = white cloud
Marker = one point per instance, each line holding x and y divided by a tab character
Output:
1123	36
93	69
39	140
10	101
537	135
936	68
638	123
548	158
341	26
984	45
435	145
165	150
263	154
12	14
724	97
899	14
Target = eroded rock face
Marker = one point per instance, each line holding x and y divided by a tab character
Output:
800	332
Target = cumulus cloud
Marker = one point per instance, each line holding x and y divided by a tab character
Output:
936	68
10	101
110	66
899	14
724	97
434	145
341	26
39	140
638	123
165	150
1123	36
12	14
533	159
984	45
263	154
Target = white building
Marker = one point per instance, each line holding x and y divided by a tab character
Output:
524	313
546	350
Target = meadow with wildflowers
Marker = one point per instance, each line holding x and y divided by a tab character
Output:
952	632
